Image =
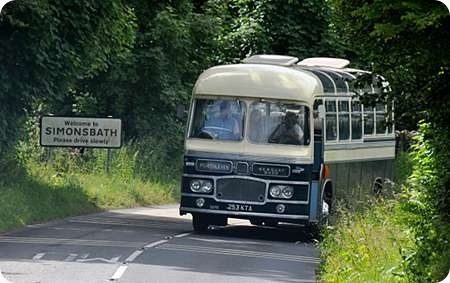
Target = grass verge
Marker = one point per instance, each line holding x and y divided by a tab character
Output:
371	242
42	194
367	246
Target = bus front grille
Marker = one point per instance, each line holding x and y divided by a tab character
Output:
239	189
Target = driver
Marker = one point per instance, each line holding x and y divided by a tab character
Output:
288	132
223	126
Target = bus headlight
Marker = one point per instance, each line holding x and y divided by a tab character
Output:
281	191
206	186
275	191
201	186
287	192
196	185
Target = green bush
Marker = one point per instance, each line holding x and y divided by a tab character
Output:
369	240
402	168
426	202
366	245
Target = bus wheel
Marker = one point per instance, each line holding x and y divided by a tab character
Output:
199	223
377	186
313	231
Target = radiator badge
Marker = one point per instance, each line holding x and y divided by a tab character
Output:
297	170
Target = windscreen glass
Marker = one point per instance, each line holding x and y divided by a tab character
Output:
279	123
218	120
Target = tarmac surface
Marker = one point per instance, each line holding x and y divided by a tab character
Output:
154	244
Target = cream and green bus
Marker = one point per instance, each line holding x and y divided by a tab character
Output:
274	140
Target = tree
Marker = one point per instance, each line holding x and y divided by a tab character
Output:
297	28
172	47
408	43
46	46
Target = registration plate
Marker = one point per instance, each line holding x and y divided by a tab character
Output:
239	207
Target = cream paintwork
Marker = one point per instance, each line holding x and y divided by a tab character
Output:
325	62
279	60
358	154
255	81
259	81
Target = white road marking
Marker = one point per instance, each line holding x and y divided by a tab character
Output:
134	255
154	244
93	229
38	256
3	279
36	225
59	241
71	257
119	272
226	241
123	222
183	235
244	253
112	260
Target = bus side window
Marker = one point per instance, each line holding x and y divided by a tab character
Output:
344	120
390	124
368	120
380	119
331	120
356	120
317	120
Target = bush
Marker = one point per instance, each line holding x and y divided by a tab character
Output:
426	201
366	245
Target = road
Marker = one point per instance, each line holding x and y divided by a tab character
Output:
154	244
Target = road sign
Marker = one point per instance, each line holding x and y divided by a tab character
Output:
81	132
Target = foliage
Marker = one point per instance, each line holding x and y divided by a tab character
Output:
426	200
35	189
297	28
368	245
135	60
407	43
402	168
135	160
138	60
171	47
369	241
46	46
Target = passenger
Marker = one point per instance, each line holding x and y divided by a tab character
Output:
288	132
223	126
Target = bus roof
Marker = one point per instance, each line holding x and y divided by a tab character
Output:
258	81
282	79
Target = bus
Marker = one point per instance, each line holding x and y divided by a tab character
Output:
274	140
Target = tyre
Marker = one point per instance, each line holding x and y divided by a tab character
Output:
199	223
377	186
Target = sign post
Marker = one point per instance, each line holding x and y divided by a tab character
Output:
108	159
